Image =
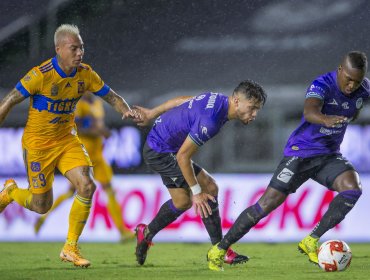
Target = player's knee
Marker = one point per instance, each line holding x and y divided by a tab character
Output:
211	186
183	204
42	207
87	189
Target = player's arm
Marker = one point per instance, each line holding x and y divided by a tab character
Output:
147	115
118	103
200	199
10	100
312	113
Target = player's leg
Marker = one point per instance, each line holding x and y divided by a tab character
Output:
213	222
170	210
286	179
58	201
166	165
270	200
75	164
40	172
339	175
349	191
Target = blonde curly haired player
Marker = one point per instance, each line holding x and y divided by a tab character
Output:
50	138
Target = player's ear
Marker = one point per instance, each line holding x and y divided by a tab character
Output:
236	99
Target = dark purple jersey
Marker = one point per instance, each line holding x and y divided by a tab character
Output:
315	139
200	118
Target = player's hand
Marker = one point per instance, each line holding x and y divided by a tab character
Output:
201	205
145	116
132	114
333	121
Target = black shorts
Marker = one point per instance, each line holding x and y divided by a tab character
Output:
292	172
166	165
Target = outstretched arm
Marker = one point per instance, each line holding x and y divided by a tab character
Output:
12	98
200	199
312	113
118	103
146	115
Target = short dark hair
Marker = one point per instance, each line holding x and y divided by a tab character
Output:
251	90
357	59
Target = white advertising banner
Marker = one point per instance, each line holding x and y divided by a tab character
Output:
141	196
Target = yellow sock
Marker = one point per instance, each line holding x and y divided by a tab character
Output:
22	196
80	211
115	211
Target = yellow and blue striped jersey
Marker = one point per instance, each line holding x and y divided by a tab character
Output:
53	98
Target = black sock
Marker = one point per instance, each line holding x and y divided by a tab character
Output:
338	209
165	216
246	220
213	223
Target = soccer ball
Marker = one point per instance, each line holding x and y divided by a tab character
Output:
334	255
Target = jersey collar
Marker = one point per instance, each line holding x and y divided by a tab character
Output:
57	68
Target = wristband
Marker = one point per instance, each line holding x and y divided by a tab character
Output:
196	189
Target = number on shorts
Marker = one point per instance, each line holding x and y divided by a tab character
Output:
42	179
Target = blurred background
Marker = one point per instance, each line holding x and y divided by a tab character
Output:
150	51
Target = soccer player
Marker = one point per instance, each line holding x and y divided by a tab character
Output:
50	138
332	101
89	116
174	139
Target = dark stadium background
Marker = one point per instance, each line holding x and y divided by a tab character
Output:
149	51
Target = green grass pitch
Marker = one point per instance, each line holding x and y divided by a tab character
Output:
170	261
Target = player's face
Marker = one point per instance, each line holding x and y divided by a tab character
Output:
70	51
247	109
349	79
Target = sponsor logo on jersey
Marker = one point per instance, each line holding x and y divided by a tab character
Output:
312	87
60	106
295	148
68	85
285	175
58	120
333	102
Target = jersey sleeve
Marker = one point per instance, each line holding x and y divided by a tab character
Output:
317	90
366	86
203	130
97	86
31	83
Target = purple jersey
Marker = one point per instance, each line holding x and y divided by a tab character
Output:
200	118
315	139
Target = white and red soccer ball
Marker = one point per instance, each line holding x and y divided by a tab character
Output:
334	255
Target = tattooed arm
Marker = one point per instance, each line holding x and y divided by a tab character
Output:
12	98
118	103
